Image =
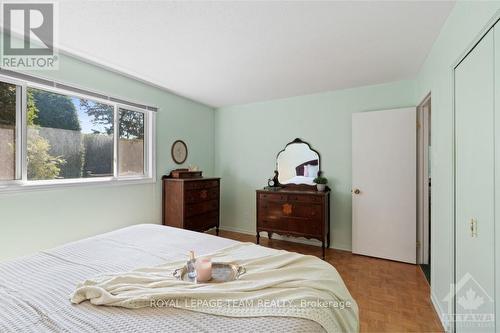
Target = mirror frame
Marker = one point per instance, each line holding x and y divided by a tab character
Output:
297	140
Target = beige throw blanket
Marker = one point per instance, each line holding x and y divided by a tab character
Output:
276	283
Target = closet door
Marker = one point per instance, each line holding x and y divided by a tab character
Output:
474	167
497	169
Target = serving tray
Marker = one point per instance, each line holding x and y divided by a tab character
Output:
221	272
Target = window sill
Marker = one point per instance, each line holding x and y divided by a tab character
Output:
38	185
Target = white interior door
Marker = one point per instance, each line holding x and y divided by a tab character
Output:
384	184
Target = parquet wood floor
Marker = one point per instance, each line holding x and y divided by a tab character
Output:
392	296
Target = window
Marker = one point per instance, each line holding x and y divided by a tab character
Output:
131	143
70	137
9	96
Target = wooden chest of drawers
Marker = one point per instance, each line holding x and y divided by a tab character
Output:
294	213
191	203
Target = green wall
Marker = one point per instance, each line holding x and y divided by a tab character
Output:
464	24
31	221
248	137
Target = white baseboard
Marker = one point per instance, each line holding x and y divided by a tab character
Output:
440	312
300	240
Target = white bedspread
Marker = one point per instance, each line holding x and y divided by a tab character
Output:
277	283
301	180
34	290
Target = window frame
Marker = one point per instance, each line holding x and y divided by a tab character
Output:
21	183
19	151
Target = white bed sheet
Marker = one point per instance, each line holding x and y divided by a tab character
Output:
34	290
300	180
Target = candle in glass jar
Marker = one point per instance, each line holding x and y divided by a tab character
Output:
203	270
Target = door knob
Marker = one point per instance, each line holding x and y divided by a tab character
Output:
356	191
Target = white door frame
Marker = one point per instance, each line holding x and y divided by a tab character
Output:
423	141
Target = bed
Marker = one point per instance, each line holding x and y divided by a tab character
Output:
34	290
300	180
302	176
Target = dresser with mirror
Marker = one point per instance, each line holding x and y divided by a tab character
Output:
291	205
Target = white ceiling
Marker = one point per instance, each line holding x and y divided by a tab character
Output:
226	53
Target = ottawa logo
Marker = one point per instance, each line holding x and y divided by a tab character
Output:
474	306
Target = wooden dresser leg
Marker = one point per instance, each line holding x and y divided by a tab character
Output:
258	237
217	230
324	249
